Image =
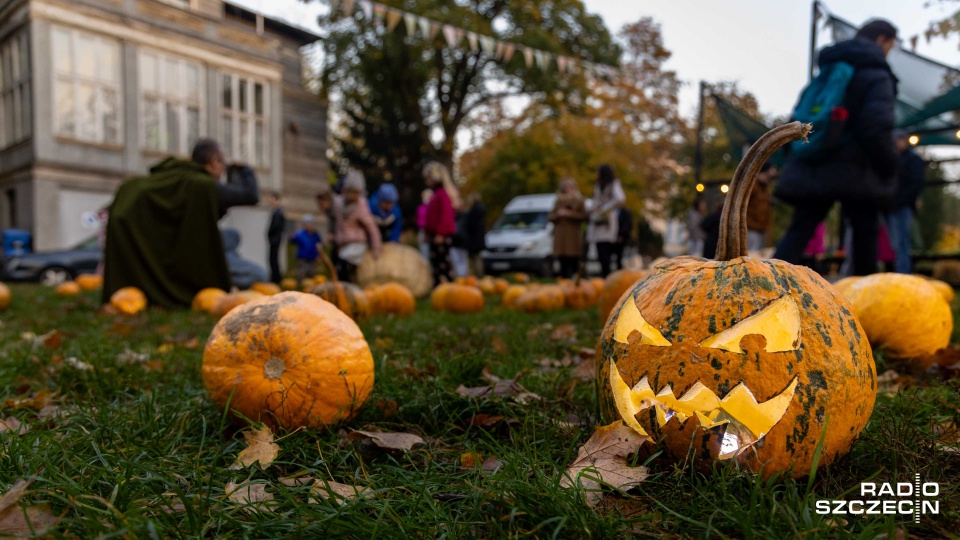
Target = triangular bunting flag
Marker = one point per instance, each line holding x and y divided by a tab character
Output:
379	12
424	24
348	7
393	19
543	58
528	56
410	20
561	63
474	40
508	50
367	8
489	44
434	30
452	35
501	48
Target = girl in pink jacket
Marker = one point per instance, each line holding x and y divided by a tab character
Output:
356	231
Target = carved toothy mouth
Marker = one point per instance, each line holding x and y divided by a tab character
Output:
746	420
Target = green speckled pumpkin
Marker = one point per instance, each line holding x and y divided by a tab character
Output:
738	359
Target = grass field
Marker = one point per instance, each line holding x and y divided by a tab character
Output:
120	440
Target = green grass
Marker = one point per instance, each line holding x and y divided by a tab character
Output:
133	439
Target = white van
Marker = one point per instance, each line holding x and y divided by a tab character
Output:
522	238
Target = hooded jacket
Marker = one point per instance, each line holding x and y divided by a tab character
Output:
864	166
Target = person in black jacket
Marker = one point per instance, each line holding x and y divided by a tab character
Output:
861	172
278	223
475	232
909	185
624	229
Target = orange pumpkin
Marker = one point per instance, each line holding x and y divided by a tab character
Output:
487	286
543	298
454	298
288	284
290	360
265	288
226	303
510	296
520	277
89	282
129	300
4	296
579	294
597	283
614	286
500	285
206	299
67	288
346	296
470	281
391	298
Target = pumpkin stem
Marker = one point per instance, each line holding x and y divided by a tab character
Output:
329	264
733	220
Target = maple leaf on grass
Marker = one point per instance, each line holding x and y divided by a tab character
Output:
602	460
248	494
326	489
260	447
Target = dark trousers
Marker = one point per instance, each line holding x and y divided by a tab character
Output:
864	219
569	266
618	254
275	261
604	254
440	261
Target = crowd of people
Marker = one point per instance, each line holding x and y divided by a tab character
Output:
162	233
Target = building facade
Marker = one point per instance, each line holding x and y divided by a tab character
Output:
96	91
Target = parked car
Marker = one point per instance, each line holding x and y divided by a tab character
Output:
54	267
521	240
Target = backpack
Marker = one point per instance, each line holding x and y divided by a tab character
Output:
822	105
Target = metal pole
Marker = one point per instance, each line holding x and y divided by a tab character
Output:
814	15
698	153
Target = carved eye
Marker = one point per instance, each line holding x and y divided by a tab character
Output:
778	323
631	320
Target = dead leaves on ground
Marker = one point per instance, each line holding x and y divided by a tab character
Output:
387	441
499	388
602	460
15	520
260	449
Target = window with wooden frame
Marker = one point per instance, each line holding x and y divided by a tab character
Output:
171	103
244	107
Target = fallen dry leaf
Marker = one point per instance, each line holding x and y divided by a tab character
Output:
51	339
33	400
77	364
130	357
165	348
15	520
470	460
388	441
388	407
500	389
602	460
296	480
248	493
383	343
499	345
14	425
326	489
260	448
564	332
586	371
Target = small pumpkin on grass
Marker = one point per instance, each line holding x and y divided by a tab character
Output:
579	294
906	315
228	302
487	286
4	296
613	288
129	300
89	282
500	285
265	288
206	300
511	294
391	298
397	263
288	284
521	278
543	298
346	296
453	298
744	360
290	360
67	288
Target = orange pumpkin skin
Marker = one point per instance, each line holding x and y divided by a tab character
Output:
500	285
206	300
67	288
288	284
226	303
266	289
689	300
4	296
470	281
487	286
598	283
89	282
391	298
289	360
511	294
346	296
453	298
580	295
521	278
129	300
614	286
543	298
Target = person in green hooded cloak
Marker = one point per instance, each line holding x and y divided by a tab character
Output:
162	235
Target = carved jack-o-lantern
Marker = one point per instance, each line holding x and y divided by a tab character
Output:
739	358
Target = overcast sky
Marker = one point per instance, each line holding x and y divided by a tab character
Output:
763	44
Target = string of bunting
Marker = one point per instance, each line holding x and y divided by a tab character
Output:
502	51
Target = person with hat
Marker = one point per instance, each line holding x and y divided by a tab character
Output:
356	231
910	181
386	212
309	243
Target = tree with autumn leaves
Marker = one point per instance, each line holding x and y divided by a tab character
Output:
403	99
